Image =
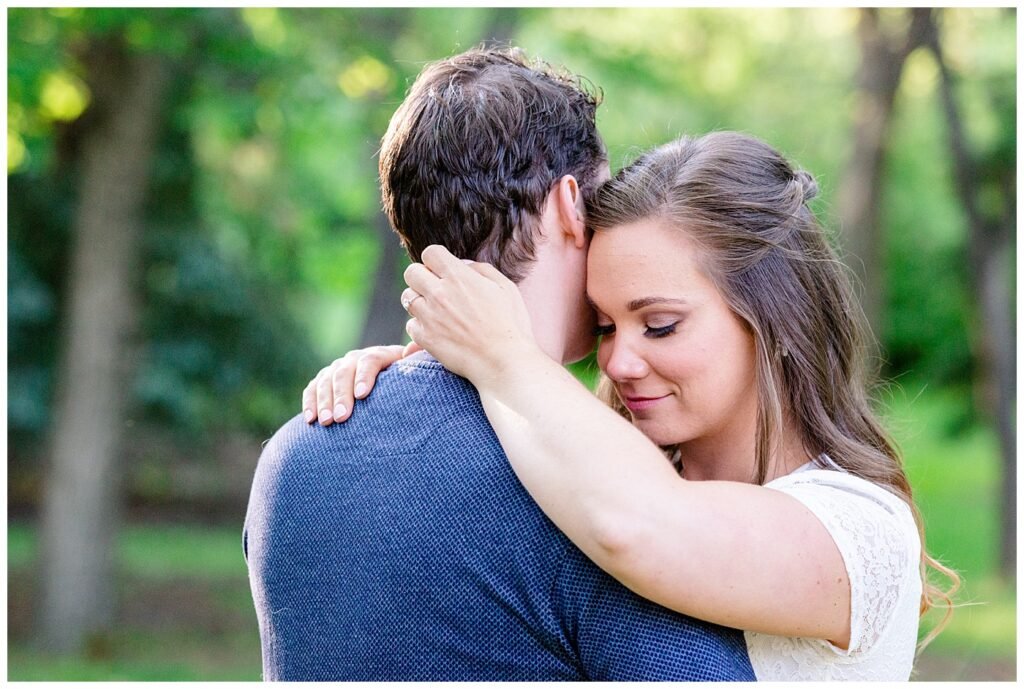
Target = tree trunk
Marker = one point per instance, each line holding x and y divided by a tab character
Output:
999	370
385	317
80	501
990	257
860	195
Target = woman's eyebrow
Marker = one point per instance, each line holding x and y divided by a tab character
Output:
638	304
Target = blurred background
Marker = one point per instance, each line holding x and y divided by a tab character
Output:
194	228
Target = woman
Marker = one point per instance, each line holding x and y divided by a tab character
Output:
730	339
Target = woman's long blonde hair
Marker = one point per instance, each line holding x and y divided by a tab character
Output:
761	245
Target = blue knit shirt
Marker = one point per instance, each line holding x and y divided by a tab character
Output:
400	546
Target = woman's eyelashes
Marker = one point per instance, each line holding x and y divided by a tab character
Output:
660	331
651	331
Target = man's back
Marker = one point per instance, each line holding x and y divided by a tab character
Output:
400	546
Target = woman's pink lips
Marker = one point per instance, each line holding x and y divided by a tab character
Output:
635	404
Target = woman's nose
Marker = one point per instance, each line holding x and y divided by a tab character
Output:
623	362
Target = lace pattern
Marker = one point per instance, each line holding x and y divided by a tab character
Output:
878	540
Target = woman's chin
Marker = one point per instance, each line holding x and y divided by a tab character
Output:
657	433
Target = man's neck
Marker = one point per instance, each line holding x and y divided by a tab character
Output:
549	328
553	288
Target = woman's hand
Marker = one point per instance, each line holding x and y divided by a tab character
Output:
468	315
330	396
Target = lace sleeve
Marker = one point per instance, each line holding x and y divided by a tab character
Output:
877	538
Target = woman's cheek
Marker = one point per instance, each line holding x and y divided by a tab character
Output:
603	352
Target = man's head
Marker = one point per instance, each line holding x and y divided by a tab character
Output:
472	153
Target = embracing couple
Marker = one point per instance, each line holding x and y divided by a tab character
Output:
728	507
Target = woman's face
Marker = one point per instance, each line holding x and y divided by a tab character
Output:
681	361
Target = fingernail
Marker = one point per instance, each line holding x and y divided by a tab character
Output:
325	415
309	415
339	412
360	389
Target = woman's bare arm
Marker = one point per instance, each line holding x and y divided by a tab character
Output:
737	554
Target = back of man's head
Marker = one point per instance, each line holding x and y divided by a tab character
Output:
471	154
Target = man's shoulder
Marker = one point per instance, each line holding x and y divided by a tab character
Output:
420	378
415	404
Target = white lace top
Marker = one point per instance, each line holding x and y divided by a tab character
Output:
878	539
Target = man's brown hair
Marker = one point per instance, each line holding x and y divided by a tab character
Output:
472	153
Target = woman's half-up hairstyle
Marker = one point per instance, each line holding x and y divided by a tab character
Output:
746	209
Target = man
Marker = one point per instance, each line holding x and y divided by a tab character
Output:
399	545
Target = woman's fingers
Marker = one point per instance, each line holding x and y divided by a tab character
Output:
342	374
415	330
441	261
409	295
355	374
331	395
309	410
491	273
458	305
419	278
370	364
324	395
445	265
440	264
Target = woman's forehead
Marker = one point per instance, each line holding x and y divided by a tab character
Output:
649	243
643	261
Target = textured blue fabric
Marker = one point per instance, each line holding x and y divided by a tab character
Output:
400	546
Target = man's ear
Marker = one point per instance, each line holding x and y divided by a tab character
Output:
569	204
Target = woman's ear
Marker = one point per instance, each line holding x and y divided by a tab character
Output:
569	202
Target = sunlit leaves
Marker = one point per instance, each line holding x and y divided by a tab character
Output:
920	74
63	97
15	151
266	25
366	75
280	113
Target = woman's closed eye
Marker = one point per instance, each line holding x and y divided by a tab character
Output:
654	332
651	331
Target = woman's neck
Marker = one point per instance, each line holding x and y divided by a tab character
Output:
712	459
728	458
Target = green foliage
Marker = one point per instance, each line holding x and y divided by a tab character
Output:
930	312
212	328
259	242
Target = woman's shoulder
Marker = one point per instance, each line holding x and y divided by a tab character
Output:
874	529
875	532
829	481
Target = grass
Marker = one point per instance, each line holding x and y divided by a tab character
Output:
158	552
954	469
145	657
186	613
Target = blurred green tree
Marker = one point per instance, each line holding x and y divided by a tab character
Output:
117	145
227	264
985	175
884	50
